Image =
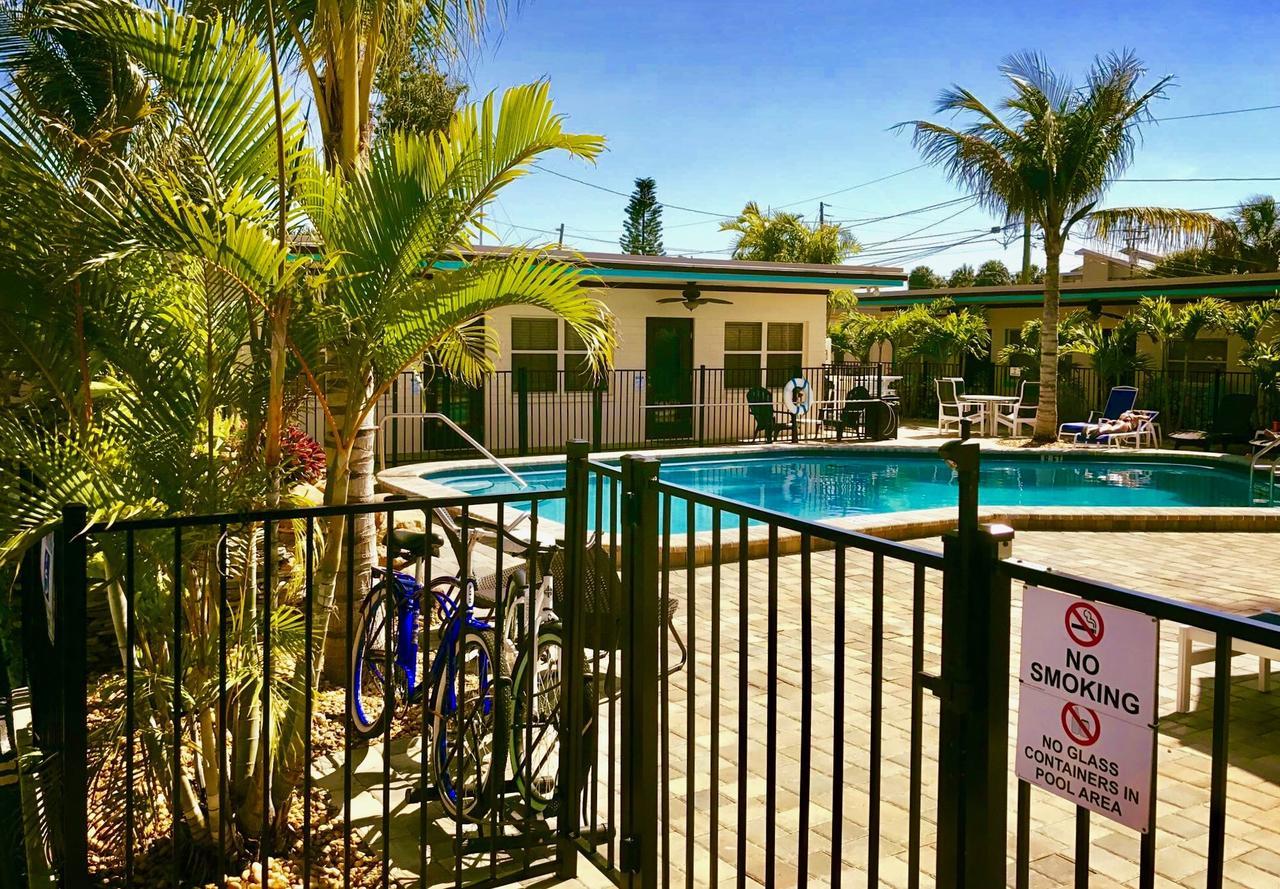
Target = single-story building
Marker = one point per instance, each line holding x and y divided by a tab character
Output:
693	336
1009	307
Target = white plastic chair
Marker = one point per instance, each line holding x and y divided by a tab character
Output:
1021	412
952	408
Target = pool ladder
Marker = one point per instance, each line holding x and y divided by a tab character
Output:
462	433
1266	460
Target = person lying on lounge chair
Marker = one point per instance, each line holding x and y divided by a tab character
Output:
1126	422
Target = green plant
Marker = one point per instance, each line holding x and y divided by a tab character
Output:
924	278
785	237
1112	351
992	273
961	276
163	321
642	225
1050	160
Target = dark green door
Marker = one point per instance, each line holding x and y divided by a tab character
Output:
669	378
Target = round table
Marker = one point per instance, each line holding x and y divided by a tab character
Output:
990	402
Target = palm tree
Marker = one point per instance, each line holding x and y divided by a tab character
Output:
785	237
1165	326
1051	160
178	369
1112	351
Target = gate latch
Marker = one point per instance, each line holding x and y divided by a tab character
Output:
629	855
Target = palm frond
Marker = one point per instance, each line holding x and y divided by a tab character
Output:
1163	227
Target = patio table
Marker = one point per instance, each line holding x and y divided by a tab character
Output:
990	402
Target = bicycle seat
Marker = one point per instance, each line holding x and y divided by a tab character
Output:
410	543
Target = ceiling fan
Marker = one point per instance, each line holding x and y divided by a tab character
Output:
692	297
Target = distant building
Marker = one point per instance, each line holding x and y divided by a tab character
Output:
1096	267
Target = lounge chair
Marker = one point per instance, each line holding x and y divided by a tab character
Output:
1232	424
1120	400
770	419
1189	656
952	408
1145	429
1021	412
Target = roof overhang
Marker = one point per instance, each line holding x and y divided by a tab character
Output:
1228	287
668	272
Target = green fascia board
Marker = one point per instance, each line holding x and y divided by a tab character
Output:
699	275
1103	295
696	275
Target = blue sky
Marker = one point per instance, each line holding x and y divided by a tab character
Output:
781	102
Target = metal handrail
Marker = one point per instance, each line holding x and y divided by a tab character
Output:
1256	462
462	433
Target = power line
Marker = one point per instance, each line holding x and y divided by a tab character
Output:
624	194
1218	113
852	187
1208	179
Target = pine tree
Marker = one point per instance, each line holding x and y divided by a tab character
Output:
642	229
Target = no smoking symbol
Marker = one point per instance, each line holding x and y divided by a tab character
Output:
1081	724
1084	624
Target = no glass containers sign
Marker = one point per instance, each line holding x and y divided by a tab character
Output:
1087	704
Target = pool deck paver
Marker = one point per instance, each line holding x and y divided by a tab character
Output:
1238	573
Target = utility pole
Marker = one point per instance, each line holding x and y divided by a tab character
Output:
1026	250
560	243
822	215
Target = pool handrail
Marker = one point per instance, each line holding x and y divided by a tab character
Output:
1256	464
462	433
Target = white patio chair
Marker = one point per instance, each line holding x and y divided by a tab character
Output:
1022	412
952	408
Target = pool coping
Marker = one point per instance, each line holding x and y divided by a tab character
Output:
905	524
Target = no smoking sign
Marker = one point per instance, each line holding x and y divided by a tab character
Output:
1084	624
1087	704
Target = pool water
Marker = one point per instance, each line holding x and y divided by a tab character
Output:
823	485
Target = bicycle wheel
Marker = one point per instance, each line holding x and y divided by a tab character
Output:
367	707
465	745
536	716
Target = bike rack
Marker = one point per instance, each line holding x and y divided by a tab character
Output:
1256	464
462	433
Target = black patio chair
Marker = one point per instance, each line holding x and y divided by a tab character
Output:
861	415
1232	423
766	414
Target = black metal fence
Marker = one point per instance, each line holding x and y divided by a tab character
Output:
528	412
716	693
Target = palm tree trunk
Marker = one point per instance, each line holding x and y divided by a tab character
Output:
1047	415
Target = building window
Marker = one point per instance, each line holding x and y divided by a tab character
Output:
577	367
752	346
1198	356
786	352
536	349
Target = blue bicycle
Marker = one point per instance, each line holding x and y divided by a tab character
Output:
467	688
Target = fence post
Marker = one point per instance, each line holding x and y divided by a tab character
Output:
973	692
522	409
394	459
702	405
638	850
597	416
573	714
71	583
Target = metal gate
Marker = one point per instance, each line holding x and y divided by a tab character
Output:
749	698
843	714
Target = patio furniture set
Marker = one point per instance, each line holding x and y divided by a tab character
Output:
988	412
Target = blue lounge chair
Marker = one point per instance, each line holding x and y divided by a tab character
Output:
1121	399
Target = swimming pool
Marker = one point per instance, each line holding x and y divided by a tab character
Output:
818	485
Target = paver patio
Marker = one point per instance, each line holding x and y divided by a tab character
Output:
1233	572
